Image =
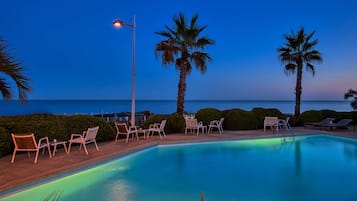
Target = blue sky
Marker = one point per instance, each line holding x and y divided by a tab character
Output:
70	49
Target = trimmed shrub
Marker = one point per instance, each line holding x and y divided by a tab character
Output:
309	116
5	142
238	119
208	114
315	116
156	118
54	126
175	123
80	123
261	113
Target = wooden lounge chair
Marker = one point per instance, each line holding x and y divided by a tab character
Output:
272	122
87	137
343	123
157	128
216	124
27	142
122	129
320	123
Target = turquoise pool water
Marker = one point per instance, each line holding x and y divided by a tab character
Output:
314	167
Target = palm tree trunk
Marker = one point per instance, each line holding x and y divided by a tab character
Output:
181	92
298	89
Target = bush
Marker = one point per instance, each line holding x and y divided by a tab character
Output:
5	142
156	118
261	113
238	119
53	126
80	123
208	114
174	124
315	116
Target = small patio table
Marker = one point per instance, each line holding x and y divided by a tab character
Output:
55	143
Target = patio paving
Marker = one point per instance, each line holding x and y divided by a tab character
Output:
24	171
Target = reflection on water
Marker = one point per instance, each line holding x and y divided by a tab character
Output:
350	151
297	157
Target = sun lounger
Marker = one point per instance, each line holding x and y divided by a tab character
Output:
320	123
340	124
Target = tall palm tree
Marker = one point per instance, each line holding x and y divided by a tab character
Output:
298	50
183	47
12	69
352	94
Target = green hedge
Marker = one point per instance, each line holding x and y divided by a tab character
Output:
53	126
174	124
5	142
208	114
261	113
238	119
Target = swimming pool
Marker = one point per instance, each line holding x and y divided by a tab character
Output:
312	167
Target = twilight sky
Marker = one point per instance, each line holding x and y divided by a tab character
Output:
70	49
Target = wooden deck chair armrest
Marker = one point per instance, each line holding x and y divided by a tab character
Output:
84	134
76	135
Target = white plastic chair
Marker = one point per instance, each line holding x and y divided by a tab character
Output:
194	125
216	124
27	142
87	137
272	122
284	124
157	128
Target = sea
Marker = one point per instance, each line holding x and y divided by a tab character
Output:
95	107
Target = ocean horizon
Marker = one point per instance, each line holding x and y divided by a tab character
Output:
92	107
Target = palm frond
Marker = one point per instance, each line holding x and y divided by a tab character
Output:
13	70
5	89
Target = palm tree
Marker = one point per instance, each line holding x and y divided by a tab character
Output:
183	47
352	94
12	69
297	51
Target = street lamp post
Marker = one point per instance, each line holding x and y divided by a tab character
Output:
117	24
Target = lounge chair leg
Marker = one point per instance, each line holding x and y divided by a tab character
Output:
69	147
49	151
13	156
36	156
96	146
85	149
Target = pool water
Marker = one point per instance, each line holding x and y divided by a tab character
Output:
313	167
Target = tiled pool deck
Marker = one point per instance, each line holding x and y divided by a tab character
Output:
24	170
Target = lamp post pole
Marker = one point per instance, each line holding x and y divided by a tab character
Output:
119	23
